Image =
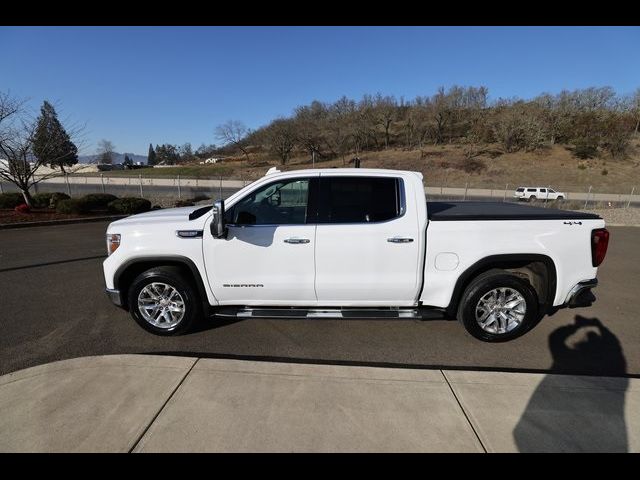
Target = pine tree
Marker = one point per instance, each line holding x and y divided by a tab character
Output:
127	160
52	145
151	157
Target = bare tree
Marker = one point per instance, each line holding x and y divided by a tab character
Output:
357	130
106	151
281	138
616	134
422	121
593	98
386	111
407	116
308	120
518	127
234	132
592	116
443	111
635	109
554	115
368	123
9	107
337	127
19	164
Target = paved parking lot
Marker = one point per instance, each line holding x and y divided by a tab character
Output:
53	307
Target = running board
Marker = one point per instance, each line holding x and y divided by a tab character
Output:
329	313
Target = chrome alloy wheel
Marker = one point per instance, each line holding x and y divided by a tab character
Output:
161	305
500	310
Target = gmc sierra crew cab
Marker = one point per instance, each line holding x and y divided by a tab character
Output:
349	243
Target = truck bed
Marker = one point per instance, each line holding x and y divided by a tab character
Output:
447	211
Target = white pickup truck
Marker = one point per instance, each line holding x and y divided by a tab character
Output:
353	243
532	194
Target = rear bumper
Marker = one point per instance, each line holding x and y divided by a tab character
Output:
114	296
581	295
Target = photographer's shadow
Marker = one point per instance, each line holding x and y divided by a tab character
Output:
568	415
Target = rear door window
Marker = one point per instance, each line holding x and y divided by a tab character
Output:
359	199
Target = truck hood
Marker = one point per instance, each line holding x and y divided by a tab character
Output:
173	216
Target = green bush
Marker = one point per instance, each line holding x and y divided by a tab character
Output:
11	200
98	201
75	206
585	148
605	171
56	197
41	200
474	165
48	199
129	205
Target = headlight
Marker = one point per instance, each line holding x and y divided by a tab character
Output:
113	242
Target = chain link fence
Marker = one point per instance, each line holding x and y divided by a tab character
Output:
575	197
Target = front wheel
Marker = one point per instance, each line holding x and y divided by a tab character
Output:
498	306
163	301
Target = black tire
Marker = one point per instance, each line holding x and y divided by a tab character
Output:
533	198
559	198
174	277
483	284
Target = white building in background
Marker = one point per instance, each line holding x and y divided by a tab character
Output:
212	160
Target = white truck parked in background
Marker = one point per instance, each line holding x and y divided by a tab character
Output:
353	243
538	193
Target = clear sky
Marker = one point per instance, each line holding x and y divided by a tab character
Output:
141	85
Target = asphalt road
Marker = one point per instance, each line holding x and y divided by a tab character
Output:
52	307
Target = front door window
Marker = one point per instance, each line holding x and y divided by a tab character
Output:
279	203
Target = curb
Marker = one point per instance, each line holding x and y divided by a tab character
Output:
46	223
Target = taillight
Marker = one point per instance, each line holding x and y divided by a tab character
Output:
599	244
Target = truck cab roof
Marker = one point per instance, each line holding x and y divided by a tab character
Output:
341	171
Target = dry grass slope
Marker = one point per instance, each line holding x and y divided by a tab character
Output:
446	165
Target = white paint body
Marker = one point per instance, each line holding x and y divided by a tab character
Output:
349	265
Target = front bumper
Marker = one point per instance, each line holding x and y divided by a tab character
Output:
114	296
581	295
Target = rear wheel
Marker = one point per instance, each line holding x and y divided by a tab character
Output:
533	198
498	306
163	301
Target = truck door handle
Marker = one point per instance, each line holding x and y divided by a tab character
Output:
399	240
296	240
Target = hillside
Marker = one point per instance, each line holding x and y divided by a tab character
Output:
445	166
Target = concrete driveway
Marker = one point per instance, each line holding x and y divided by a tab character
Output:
149	403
